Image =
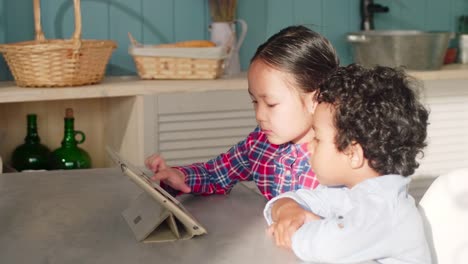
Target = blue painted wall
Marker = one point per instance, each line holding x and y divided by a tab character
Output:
157	21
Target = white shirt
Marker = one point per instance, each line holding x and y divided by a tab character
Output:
375	220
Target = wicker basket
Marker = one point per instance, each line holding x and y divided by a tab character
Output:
57	62
152	63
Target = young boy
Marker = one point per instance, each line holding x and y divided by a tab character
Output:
369	128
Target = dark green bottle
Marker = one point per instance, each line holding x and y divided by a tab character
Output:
69	155
31	155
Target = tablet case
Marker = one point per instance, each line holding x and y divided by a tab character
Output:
155	216
150	222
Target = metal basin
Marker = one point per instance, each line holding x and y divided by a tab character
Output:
415	50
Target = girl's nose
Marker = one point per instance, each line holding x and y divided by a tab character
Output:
259	114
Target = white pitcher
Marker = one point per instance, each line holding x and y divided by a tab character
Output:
224	34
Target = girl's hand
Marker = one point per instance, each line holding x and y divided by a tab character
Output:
154	161
288	217
168	175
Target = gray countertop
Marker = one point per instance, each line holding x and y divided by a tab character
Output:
75	217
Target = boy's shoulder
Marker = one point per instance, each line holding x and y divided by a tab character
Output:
388	192
386	186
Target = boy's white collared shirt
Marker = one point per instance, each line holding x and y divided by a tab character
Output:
375	220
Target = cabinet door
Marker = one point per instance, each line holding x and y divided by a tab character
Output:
447	135
195	127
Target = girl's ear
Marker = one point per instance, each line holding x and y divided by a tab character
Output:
355	155
310	102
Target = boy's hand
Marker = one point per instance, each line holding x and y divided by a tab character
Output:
168	175
288	217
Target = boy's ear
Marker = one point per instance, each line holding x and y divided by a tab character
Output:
310	102
355	155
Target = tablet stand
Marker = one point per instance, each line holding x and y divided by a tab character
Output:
151	222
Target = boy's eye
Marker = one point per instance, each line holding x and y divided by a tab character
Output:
272	105
254	101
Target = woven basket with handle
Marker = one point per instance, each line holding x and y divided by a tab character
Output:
57	62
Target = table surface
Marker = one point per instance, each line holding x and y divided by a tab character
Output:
75	217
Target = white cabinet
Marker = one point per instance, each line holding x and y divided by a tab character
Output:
192	127
447	140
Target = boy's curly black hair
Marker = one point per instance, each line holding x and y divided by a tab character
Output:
378	109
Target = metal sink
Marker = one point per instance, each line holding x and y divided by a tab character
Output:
415	50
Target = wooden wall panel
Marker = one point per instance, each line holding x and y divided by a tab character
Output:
337	22
311	13
255	14
124	17
278	16
157	21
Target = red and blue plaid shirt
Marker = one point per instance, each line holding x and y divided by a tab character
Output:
274	168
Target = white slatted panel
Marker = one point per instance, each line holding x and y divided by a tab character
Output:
199	126
448	130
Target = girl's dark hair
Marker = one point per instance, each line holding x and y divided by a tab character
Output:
378	109
306	55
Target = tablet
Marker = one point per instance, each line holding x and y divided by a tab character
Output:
160	196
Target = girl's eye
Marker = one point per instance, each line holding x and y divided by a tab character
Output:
272	105
254	101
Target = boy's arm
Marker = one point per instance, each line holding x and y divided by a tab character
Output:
314	201
287	216
358	235
283	207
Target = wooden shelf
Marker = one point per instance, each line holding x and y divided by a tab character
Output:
117	87
132	85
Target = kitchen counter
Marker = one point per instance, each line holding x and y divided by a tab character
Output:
448	72
130	86
75	217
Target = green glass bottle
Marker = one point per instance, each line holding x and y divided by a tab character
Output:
31	155
69	155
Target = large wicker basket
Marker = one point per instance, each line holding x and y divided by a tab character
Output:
57	62
154	62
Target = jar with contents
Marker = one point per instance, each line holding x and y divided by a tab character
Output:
69	155
31	155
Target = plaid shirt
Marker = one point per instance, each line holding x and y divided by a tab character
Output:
274	168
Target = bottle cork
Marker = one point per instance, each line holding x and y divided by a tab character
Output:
69	113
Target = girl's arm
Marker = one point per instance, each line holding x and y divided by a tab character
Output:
218	175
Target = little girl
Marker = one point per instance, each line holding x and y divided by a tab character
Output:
283	76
